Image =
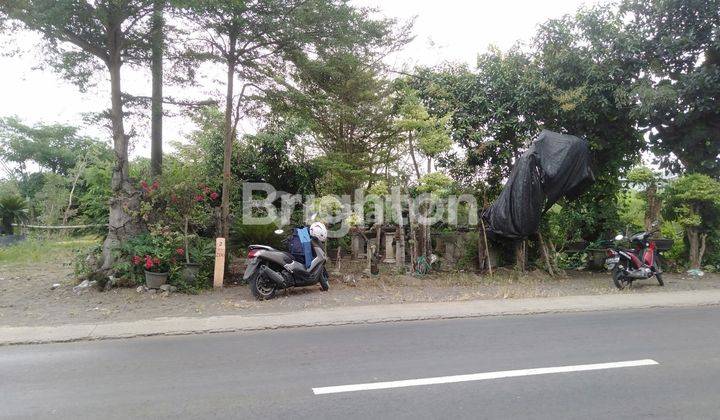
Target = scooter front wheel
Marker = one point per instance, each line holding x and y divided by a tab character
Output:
619	279
261	287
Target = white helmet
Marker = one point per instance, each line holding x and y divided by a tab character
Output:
318	231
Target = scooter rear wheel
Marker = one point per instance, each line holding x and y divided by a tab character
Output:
261	287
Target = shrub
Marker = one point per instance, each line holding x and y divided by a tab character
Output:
13	209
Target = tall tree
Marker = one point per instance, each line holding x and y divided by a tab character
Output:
347	106
81	37
493	114
257	41
587	70
156	58
678	43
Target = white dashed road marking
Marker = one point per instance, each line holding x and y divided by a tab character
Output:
480	376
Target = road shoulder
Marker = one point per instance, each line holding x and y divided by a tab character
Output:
353	315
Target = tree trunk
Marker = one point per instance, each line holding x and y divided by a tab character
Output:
428	242
694	240
123	222
481	251
520	256
412	155
158	28
378	239
185	239
701	252
546	255
429	165
654	205
66	215
414	248
227	153
400	247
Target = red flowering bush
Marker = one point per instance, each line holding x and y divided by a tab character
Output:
151	252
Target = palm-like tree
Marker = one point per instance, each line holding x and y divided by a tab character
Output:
13	208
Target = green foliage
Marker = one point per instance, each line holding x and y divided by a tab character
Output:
56	147
93	194
13	209
379	188
491	112
347	108
642	175
276	156
469	259
678	252
435	183
429	134
676	42
52	200
63	158
203	151
693	200
631	210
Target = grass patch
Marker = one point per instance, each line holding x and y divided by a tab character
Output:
45	250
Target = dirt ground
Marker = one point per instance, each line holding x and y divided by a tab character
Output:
26	297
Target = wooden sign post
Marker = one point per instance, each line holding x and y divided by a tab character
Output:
219	263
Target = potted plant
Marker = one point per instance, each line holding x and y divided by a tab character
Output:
156	271
150	256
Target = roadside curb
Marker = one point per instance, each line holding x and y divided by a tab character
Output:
371	314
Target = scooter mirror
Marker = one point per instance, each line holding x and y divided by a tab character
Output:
279	232
619	238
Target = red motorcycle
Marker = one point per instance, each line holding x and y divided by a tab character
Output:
639	263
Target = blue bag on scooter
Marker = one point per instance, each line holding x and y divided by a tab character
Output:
300	246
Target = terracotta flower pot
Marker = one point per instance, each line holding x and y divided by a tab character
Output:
155	280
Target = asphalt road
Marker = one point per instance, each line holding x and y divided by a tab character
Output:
271	374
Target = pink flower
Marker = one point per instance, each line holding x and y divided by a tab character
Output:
155	185
214	195
148	262
136	260
199	197
180	251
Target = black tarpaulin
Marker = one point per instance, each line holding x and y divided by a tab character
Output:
555	166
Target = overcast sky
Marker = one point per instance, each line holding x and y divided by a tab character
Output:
449	30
